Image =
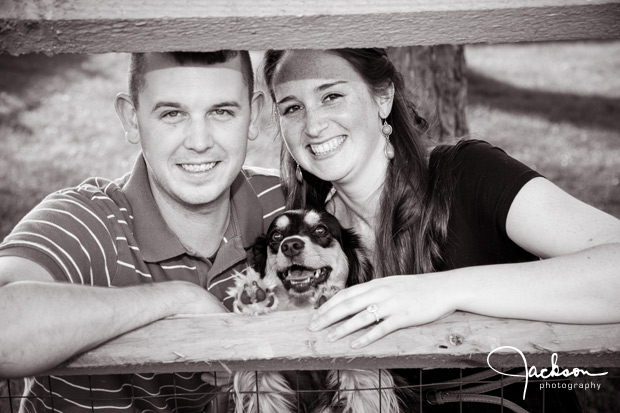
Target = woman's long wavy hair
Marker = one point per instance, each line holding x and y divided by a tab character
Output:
413	214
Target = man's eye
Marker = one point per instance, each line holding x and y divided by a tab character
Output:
222	114
171	114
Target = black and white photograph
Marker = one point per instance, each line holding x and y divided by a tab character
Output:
253	206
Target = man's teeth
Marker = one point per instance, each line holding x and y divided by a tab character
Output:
190	167
326	147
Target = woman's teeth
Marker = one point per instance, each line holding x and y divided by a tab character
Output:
326	147
198	167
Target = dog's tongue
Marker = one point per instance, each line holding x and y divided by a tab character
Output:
299	273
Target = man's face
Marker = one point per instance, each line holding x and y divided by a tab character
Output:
193	123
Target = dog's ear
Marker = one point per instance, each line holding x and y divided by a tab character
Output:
360	268
258	255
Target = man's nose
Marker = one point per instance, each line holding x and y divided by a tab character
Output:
199	136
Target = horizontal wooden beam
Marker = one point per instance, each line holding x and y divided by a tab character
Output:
281	341
95	26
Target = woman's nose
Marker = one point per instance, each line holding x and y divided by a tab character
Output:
316	122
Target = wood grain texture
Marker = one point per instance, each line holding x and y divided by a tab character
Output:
281	341
92	26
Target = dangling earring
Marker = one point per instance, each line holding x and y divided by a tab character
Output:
386	131
298	174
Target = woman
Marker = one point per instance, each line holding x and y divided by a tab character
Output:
473	217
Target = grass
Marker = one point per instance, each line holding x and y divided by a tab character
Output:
58	126
554	106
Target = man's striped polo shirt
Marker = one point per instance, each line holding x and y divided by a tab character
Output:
111	233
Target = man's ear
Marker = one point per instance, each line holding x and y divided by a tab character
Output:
258	101
126	112
385	101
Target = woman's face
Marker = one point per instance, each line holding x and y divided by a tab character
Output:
330	120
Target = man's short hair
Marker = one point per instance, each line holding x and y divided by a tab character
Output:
138	65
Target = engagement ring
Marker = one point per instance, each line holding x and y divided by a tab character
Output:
372	309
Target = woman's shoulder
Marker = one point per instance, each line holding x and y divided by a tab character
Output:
474	166
463	149
474	156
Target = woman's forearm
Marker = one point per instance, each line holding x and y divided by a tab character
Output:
577	288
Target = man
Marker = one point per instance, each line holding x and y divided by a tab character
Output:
170	233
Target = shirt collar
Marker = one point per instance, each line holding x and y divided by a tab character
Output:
247	210
154	237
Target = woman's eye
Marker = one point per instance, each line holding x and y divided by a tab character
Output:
291	109
332	96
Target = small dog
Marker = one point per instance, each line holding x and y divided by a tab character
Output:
305	258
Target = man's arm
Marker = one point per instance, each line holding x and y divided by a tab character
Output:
45	322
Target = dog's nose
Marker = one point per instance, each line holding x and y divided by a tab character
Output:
292	247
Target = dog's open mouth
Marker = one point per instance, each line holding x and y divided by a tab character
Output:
301	279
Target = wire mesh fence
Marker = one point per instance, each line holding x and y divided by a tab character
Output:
468	392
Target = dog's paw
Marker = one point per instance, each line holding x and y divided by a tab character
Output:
251	294
323	294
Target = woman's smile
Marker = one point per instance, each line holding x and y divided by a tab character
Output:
327	147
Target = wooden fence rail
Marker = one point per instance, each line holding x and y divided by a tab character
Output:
281	341
94	26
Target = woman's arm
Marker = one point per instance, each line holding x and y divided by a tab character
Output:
579	277
577	282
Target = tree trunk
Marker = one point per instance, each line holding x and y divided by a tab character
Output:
435	78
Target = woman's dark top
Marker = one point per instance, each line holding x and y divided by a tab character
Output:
485	181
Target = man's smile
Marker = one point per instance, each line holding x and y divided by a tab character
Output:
194	168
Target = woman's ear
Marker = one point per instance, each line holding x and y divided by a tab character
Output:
258	101
126	112
385	101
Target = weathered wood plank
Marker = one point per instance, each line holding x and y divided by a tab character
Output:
93	26
281	341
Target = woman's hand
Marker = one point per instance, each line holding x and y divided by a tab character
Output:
401	301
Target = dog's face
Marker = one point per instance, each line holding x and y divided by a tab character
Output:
305	252
307	256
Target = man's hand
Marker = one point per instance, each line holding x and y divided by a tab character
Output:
192	299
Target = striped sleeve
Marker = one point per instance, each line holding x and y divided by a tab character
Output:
69	234
266	184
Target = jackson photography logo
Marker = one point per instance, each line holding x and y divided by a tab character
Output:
548	373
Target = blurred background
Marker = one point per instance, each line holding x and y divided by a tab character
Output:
554	106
